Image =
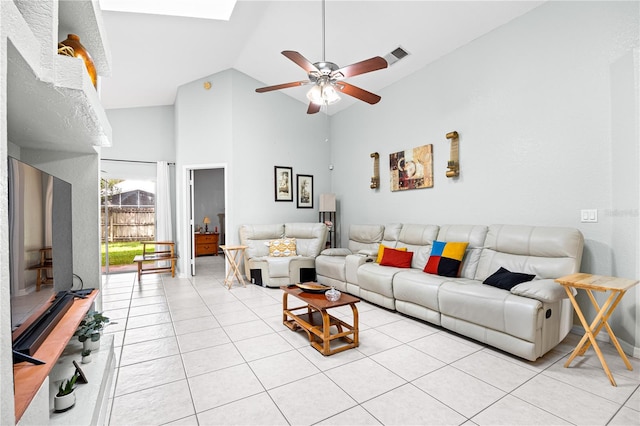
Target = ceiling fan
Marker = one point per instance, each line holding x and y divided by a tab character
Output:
327	77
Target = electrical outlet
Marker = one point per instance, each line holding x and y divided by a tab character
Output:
589	215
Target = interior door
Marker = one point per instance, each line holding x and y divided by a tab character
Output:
192	258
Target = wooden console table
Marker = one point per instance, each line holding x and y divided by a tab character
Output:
590	283
29	377
168	255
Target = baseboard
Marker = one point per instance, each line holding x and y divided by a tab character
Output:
628	348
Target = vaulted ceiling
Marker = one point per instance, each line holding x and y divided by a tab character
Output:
152	55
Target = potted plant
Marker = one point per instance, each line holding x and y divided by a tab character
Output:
65	399
90	330
86	356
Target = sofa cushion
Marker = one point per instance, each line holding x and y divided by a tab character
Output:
381	251
475	235
336	252
491	307
446	258
396	258
255	237
364	237
548	290
506	279
547	252
310	237
284	247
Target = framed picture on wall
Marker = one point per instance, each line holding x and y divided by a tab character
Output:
305	191
283	183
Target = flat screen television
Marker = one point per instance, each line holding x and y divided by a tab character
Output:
40	226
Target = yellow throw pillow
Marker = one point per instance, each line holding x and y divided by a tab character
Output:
282	248
381	251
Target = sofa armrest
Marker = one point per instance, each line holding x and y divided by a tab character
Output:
369	253
547	290
336	252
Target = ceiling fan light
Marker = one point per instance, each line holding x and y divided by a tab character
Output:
315	95
323	94
330	95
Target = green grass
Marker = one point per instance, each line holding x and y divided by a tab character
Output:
122	253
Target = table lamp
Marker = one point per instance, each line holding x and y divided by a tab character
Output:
206	222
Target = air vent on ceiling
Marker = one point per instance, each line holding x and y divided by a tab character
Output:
395	55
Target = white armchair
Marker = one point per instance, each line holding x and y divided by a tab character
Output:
267	265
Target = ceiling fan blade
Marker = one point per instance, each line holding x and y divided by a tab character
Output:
356	92
282	86
362	67
313	108
300	60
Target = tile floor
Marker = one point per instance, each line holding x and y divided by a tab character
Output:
191	352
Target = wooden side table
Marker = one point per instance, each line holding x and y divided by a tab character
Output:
314	319
234	255
589	283
167	255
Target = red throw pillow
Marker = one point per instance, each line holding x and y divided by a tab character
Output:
397	258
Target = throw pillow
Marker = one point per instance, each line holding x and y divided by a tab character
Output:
506	280
282	248
381	251
446	258
397	258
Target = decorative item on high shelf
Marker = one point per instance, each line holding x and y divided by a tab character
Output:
79	51
411	169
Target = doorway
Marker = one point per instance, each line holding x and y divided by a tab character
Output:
207	227
127	204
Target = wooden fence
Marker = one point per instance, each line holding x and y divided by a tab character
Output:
129	224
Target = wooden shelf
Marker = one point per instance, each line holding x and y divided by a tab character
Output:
28	377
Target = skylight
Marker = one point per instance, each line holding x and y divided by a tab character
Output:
206	9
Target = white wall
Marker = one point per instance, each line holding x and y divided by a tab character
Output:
231	126
145	134
532	102
141	137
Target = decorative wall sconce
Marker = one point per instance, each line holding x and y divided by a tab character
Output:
375	180
453	165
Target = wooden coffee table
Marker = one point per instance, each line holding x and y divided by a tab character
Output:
314	319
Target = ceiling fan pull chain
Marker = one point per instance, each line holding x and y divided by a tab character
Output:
324	11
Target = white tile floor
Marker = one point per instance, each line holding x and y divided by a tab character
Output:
192	352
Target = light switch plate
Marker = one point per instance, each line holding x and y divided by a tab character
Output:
589	215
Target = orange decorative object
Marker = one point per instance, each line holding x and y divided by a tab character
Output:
79	51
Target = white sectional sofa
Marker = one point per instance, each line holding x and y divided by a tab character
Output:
266	266
527	320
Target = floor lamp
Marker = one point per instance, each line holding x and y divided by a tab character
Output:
328	216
